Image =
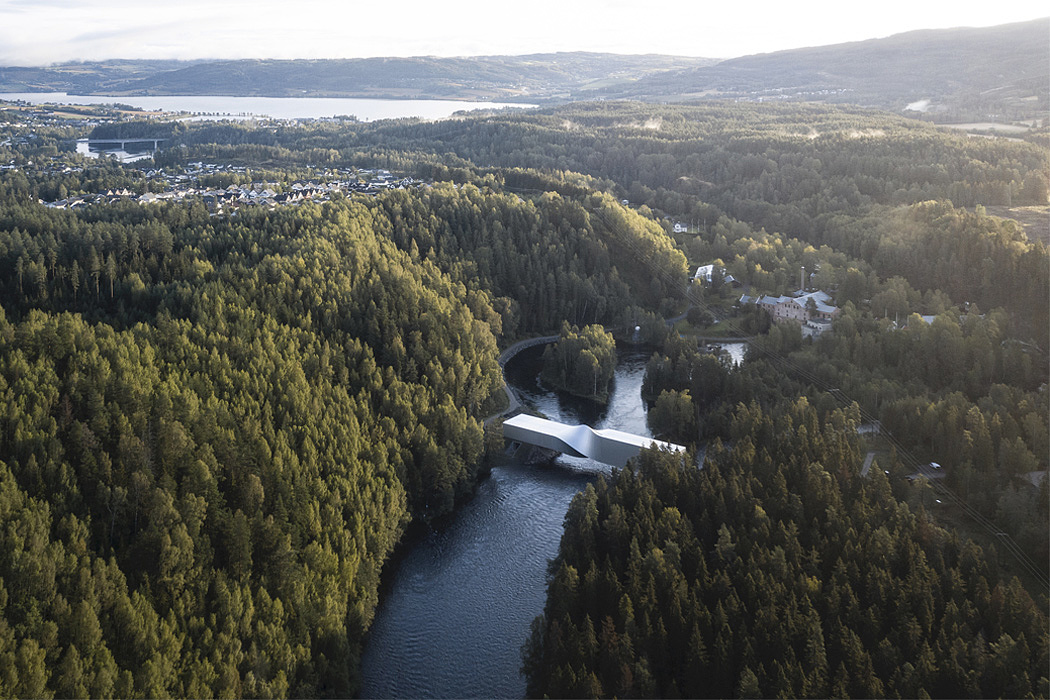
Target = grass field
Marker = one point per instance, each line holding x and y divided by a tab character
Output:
1034	220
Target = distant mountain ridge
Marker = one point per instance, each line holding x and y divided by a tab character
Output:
1002	70
523	78
997	73
82	78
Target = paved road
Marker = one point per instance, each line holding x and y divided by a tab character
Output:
867	463
927	471
675	319
722	339
513	403
517	347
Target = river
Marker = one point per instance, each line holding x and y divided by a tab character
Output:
226	106
457	609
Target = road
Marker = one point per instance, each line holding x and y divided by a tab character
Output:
517	347
867	463
513	403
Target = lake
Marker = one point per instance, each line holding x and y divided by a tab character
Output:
224	106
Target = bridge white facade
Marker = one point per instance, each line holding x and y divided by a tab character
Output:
608	446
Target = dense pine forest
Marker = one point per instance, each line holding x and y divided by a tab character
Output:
219	424
581	362
775	571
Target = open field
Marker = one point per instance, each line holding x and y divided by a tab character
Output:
990	126
1034	220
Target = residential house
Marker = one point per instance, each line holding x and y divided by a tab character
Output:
705	273
814	327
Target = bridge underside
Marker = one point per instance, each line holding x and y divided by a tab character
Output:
608	446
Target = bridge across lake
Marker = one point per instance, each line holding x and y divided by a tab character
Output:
111	144
607	446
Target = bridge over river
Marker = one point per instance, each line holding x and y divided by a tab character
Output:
608	446
612	447
110	144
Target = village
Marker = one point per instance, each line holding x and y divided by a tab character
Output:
186	185
810	309
195	181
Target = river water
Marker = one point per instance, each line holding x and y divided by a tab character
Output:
459	606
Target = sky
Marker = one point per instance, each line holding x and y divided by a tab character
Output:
42	32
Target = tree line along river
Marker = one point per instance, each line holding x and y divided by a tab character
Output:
460	602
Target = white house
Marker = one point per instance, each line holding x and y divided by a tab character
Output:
704	273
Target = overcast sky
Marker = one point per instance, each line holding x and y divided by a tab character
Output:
38	32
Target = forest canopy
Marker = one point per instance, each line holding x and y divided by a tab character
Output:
219	427
775	570
581	362
222	418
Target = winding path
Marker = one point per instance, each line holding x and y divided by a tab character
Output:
867	463
513	403
508	354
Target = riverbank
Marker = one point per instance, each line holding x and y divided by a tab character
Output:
457	602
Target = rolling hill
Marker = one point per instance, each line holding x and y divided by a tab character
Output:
524	78
1001	71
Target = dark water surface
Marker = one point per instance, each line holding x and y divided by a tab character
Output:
453	620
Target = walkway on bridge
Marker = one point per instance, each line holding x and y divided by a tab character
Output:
608	446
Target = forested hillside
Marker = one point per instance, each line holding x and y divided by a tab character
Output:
962	74
852	179
525	78
776	570
217	440
955	75
217	428
825	176
220	421
669	575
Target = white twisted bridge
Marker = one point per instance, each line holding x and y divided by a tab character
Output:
608	446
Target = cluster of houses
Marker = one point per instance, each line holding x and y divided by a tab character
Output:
184	186
811	310
46	168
